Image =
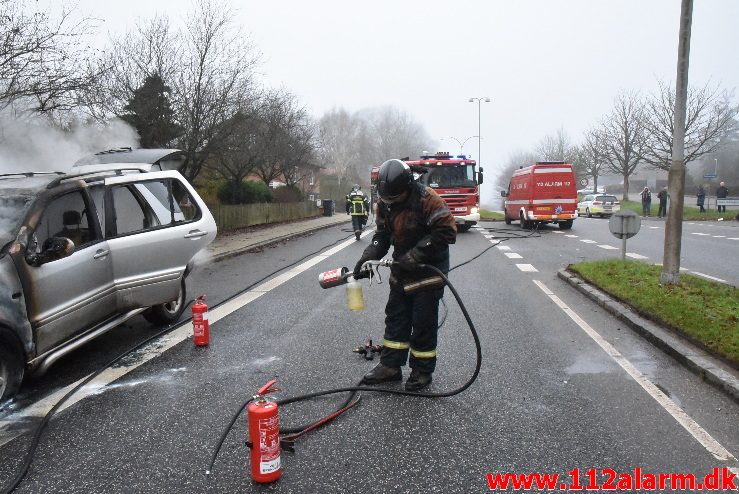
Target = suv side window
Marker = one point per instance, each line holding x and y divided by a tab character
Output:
130	213
66	216
150	204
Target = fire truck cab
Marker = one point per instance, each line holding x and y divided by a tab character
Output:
542	193
454	178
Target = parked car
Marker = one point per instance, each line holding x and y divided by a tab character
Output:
598	204
82	253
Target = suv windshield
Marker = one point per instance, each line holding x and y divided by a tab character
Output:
450	176
12	209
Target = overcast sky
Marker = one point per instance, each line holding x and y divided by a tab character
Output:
545	64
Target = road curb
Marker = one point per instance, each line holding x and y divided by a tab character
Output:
697	360
266	243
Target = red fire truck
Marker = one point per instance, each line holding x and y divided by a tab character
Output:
454	178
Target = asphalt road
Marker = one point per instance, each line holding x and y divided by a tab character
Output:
548	397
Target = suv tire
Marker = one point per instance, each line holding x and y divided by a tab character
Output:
11	369
169	312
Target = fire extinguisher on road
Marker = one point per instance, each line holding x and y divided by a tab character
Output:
200	327
264	435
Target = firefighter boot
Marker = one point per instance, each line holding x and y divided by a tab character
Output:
417	380
382	374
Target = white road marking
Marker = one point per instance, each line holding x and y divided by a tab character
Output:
489	236
513	255
701	234
160	345
718	236
503	247
557	231
607	247
709	277
633	255
527	268
571	236
733	238
585	240
690	425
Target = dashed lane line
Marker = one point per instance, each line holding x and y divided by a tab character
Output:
607	247
694	429
587	241
527	268
513	255
634	255
503	247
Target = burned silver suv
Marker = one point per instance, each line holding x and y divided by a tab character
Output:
81	253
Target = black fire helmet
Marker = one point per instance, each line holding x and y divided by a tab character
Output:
394	178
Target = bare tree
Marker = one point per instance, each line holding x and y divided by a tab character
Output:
624	135
151	48
710	117
43	63
556	147
590	158
241	149
214	80
338	135
516	160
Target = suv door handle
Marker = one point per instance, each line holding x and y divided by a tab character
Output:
196	234
100	254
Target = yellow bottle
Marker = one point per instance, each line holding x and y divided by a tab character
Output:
354	295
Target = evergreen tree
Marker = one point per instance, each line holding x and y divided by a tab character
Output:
150	113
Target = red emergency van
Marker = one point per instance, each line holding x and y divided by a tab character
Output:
542	193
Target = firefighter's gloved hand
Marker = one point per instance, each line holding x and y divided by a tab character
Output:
406	262
358	273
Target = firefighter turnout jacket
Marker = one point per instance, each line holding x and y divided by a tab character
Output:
357	203
420	229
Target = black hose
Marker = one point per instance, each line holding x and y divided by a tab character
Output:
42	425
354	389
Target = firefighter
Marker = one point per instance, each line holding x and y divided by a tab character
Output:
357	205
418	224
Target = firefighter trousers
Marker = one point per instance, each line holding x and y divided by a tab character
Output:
411	326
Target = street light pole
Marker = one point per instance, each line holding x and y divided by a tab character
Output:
461	143
479	128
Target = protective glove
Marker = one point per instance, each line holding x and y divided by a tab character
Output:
358	273
407	262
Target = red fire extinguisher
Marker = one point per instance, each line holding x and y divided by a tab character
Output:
200	327
264	435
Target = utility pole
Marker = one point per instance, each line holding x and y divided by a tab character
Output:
676	176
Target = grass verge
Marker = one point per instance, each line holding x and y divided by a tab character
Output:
689	213
490	215
705	311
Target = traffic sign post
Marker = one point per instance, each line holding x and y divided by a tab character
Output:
624	224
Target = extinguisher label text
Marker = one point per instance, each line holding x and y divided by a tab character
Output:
269	466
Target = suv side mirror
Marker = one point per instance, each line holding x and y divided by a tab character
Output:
479	177
54	248
503	193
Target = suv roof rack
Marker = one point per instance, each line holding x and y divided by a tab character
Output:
94	175
29	174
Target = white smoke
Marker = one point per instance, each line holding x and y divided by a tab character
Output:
31	143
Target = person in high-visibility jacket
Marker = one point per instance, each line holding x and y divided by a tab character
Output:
416	221
357	205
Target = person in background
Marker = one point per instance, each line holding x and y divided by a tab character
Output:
700	198
662	196
646	201
722	193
